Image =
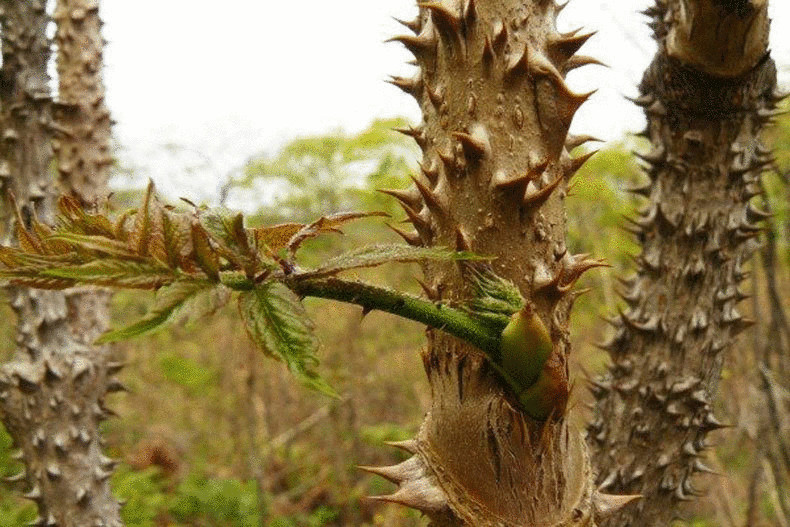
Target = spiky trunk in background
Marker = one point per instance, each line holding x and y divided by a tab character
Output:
707	95
495	172
52	392
83	145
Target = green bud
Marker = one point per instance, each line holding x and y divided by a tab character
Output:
524	348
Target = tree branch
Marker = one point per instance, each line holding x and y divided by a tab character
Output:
448	319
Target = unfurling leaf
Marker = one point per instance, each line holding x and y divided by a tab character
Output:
69	207
324	224
9	257
141	231
21	264
29	240
115	273
73	218
183	299
157	243
119	229
100	244
278	324
375	255
226	230
490	285
274	238
205	256
46	234
23	269
55	284
178	242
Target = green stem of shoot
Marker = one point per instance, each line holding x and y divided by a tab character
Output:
450	320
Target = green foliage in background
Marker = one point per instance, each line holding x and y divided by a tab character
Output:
779	137
186	372
325	174
598	201
777	181
14	511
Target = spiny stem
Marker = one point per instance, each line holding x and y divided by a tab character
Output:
451	320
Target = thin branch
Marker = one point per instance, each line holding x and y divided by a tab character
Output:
451	320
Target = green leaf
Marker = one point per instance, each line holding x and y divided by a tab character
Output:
236	281
115	273
226	228
278	324
375	255
183	299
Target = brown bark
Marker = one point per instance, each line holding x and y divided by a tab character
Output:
722	38
53	390
495	174
705	104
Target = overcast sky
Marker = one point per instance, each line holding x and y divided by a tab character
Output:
226	80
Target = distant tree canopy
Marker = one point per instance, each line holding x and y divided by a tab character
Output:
323	174
776	181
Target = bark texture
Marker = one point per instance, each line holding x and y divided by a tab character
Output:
654	408
495	173
82	144
52	392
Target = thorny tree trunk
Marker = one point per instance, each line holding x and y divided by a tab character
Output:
83	158
51	394
82	138
83	145
707	95
496	168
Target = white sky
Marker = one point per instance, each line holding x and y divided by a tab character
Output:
227	80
